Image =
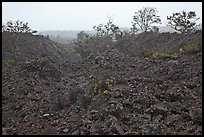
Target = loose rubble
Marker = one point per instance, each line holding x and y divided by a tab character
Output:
161	97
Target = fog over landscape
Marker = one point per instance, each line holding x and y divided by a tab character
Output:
63	20
84	15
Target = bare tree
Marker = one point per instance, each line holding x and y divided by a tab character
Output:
145	17
183	21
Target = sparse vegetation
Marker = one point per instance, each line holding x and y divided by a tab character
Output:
110	29
102	86
183	21
17	27
193	48
137	84
11	62
155	55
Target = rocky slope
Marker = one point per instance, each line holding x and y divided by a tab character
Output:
20	47
147	96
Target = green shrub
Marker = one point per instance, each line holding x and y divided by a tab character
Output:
145	54
174	55
152	54
11	62
193	48
164	53
155	54
83	51
102	86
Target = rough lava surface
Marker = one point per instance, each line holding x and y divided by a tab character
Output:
148	97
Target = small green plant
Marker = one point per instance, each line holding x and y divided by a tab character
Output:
155	54
102	86
145	54
193	48
174	55
164	53
11	62
152	54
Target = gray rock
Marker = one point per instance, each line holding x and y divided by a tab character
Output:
94	111
65	130
46	115
173	62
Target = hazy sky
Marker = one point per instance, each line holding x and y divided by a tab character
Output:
85	15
